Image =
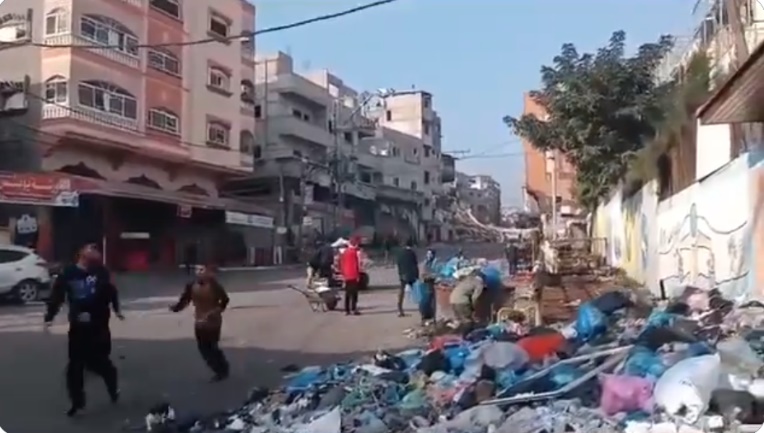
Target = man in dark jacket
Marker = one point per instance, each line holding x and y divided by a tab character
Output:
88	289
408	271
512	254
322	261
210	300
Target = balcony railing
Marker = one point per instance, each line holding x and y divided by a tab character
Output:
302	87
85	114
109	53
287	125
398	193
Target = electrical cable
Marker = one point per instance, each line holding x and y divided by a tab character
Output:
241	36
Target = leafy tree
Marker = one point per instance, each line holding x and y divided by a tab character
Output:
601	108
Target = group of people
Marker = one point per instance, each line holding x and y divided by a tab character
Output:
87	287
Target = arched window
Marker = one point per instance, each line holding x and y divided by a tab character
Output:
164	60
247	92
107	97
257	152
56	90
163	120
107	31
219	79
57	22
246	142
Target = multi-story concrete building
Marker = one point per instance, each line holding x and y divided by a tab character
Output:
130	130
482	194
321	138
541	169
413	112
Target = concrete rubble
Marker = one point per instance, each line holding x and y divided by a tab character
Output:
691	364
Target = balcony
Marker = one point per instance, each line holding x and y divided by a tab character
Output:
53	112
136	3
304	89
111	54
361	190
400	194
412	159
290	126
220	157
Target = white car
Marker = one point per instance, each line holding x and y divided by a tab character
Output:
24	276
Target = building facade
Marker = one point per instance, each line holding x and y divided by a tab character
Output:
136	128
331	160
482	194
540	169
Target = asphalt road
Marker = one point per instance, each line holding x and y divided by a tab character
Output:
266	328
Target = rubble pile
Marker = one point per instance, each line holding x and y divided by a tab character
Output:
691	364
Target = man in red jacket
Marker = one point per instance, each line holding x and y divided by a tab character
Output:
350	266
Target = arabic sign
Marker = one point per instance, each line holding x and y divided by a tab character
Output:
38	189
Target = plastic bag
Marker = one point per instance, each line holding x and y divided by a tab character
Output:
449	269
643	362
684	390
492	278
625	394
738	354
590	323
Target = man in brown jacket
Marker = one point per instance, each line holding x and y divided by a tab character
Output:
210	300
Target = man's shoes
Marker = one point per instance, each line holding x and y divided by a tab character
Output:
347	313
356	313
401	314
75	409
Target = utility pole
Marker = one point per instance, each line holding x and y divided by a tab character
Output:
337	172
554	195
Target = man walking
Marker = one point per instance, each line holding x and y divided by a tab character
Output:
210	300
408	272
350	267
88	289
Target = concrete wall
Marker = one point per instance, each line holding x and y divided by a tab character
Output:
707	235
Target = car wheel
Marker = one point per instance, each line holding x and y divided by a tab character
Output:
27	291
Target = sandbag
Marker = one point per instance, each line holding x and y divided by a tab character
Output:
625	394
684	390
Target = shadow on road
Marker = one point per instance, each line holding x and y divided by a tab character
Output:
34	398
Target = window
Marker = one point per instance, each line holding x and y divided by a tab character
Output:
426	128
348	137
163	120
105	31
56	90
257	152
389	115
246	142
10	256
415	151
219	79
426	177
219	26
164	61
108	98
426	101
258	111
396	181
413	185
218	134
247	92
170	7
56	22
427	151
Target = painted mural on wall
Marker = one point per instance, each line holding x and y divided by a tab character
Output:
704	237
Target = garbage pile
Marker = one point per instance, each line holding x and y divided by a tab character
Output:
687	365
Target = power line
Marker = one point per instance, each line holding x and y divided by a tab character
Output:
242	35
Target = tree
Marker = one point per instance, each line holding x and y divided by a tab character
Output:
601	108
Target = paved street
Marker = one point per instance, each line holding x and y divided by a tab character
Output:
266	328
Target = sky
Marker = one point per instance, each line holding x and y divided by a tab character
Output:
477	57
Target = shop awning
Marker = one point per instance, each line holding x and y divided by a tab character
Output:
126	190
60	189
739	99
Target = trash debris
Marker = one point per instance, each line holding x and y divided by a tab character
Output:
691	364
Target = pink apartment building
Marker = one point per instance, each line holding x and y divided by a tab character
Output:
130	145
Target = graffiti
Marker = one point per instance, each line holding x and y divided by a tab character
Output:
694	251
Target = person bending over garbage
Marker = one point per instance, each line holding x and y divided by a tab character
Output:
88	289
465	295
210	300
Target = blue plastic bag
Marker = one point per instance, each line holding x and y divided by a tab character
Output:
449	268
590	323
492	278
643	362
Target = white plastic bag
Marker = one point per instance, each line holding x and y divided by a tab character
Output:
684	390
